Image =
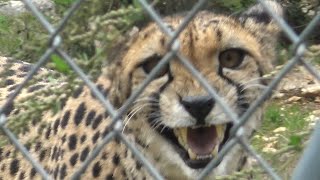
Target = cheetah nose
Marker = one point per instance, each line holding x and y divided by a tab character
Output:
198	107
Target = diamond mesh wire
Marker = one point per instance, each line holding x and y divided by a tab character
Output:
298	41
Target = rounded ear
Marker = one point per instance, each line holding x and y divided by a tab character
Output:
120	88
259	22
121	45
259	14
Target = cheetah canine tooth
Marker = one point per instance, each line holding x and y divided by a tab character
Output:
192	155
181	134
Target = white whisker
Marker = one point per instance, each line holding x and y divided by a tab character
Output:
131	114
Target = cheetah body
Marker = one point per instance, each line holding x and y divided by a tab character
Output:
62	141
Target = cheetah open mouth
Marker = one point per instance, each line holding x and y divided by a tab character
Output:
197	146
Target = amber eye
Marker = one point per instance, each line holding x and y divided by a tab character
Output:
151	62
231	58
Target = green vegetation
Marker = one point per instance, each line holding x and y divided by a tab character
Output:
315	55
289	116
9	41
88	35
292	117
63	2
282	136
87	38
280	140
317	59
21	36
60	65
103	22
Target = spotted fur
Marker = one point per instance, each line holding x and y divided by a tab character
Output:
62	141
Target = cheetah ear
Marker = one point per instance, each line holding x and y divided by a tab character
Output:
256	19
259	14
120	88
259	22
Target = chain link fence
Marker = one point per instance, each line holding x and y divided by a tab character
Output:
307	167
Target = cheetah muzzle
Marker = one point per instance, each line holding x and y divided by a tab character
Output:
197	145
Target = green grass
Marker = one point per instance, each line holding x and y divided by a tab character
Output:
282	148
9	41
22	37
317	59
289	116
63	2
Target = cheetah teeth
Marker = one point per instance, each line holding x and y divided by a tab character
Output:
182	135
194	156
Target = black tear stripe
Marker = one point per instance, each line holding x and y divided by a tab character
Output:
241	100
155	106
161	129
261	74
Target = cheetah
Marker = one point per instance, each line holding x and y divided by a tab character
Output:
174	123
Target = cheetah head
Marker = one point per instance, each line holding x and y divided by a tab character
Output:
179	126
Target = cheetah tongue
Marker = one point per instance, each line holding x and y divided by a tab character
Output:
202	141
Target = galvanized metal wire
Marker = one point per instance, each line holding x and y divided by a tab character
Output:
308	160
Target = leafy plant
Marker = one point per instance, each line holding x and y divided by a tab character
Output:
59	64
63	2
9	41
295	141
273	114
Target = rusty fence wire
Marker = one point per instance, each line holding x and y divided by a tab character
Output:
307	167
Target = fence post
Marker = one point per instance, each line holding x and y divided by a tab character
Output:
308	166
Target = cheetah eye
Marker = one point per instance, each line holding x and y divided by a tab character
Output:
231	58
151	62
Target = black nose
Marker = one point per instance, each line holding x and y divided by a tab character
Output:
198	106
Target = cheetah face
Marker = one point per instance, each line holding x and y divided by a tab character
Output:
189	119
175	117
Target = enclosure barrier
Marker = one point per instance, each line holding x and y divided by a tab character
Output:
309	158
